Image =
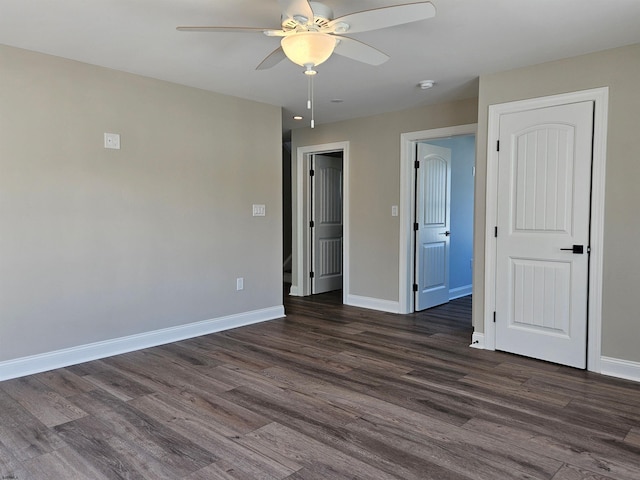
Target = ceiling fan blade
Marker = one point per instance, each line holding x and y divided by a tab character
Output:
356	50
272	59
225	29
384	17
296	9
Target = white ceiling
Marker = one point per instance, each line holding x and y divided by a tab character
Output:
465	39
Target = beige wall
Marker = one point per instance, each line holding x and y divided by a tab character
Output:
98	244
375	186
619	69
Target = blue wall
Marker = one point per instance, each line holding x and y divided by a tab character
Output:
463	152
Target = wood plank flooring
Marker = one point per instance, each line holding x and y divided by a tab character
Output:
330	392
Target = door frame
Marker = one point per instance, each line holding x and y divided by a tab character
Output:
408	143
600	97
301	263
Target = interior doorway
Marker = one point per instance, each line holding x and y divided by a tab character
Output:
461	141
316	248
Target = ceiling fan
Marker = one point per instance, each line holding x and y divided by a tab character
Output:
310	34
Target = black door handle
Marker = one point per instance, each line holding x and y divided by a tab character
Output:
579	249
447	233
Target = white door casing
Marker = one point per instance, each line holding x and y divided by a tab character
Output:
301	283
408	142
544	179
433	215
487	338
327	223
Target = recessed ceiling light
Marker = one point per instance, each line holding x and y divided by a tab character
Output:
337	100
426	84
297	117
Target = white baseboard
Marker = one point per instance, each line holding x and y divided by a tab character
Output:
615	367
294	291
373	303
460	292
20	367
477	340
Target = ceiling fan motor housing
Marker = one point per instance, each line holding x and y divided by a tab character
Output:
322	15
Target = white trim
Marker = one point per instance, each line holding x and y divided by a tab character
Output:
43	362
477	340
373	304
459	292
293	291
616	367
600	97
299	265
407	194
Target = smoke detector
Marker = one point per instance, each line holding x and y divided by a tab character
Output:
426	84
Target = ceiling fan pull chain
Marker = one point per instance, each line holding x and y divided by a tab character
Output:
309	80
310	72
313	121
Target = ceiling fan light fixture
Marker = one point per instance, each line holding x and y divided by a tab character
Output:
308	48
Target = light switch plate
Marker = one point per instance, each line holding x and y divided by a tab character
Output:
394	210
112	140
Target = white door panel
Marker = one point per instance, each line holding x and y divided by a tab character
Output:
328	226
544	179
433	203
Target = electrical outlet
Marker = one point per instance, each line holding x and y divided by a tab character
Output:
239	283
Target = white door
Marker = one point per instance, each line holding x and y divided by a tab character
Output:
433	202
542	261
326	187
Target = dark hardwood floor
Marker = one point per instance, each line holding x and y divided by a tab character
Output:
330	392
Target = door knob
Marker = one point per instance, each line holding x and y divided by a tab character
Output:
447	233
579	249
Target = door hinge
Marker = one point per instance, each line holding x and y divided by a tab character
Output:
417	164
416	227
312	173
494	317
497	145
495	232
312	275
415	287
312	224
